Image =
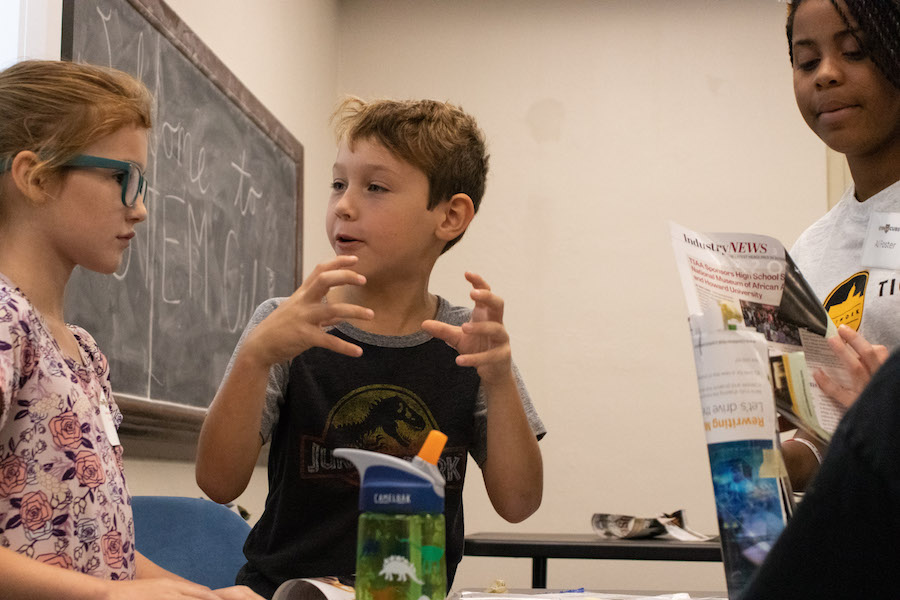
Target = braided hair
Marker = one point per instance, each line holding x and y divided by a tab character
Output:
879	22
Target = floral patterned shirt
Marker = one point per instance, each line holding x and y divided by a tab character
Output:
63	498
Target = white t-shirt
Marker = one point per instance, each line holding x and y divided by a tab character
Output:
830	256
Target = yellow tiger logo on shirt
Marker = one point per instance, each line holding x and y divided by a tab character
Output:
845	304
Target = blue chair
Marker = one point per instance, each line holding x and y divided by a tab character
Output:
195	538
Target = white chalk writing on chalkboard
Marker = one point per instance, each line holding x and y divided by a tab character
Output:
222	222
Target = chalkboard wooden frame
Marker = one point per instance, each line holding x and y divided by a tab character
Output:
162	429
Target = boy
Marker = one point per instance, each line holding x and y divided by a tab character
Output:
363	355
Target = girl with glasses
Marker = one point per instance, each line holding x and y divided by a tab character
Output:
73	148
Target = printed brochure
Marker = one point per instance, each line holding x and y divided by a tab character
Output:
757	330
737	281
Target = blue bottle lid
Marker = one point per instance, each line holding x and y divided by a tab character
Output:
392	485
388	490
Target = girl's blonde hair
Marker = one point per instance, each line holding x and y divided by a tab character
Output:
57	108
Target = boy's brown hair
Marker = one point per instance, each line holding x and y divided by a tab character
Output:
438	138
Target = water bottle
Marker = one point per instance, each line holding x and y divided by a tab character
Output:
400	553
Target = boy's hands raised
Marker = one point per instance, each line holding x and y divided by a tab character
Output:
296	325
483	342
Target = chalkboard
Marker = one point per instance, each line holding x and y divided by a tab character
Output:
224	211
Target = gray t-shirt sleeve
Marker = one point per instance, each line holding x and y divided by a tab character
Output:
278	374
457	315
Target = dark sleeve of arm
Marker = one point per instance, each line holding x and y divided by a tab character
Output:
843	539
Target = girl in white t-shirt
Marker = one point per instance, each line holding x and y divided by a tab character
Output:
846	69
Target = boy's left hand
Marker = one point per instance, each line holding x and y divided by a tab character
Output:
483	342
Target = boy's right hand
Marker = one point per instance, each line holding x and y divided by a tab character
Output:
297	324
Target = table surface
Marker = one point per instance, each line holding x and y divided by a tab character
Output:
588	545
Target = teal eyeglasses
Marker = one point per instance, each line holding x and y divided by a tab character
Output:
133	182
132	177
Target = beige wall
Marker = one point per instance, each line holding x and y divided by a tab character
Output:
605	119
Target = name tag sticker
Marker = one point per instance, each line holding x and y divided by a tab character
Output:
881	249
108	426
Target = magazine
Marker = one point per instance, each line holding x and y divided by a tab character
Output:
758	330
750	485
749	282
315	588
667	525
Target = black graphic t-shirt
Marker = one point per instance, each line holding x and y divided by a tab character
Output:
385	401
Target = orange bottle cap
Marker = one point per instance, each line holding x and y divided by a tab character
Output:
433	446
